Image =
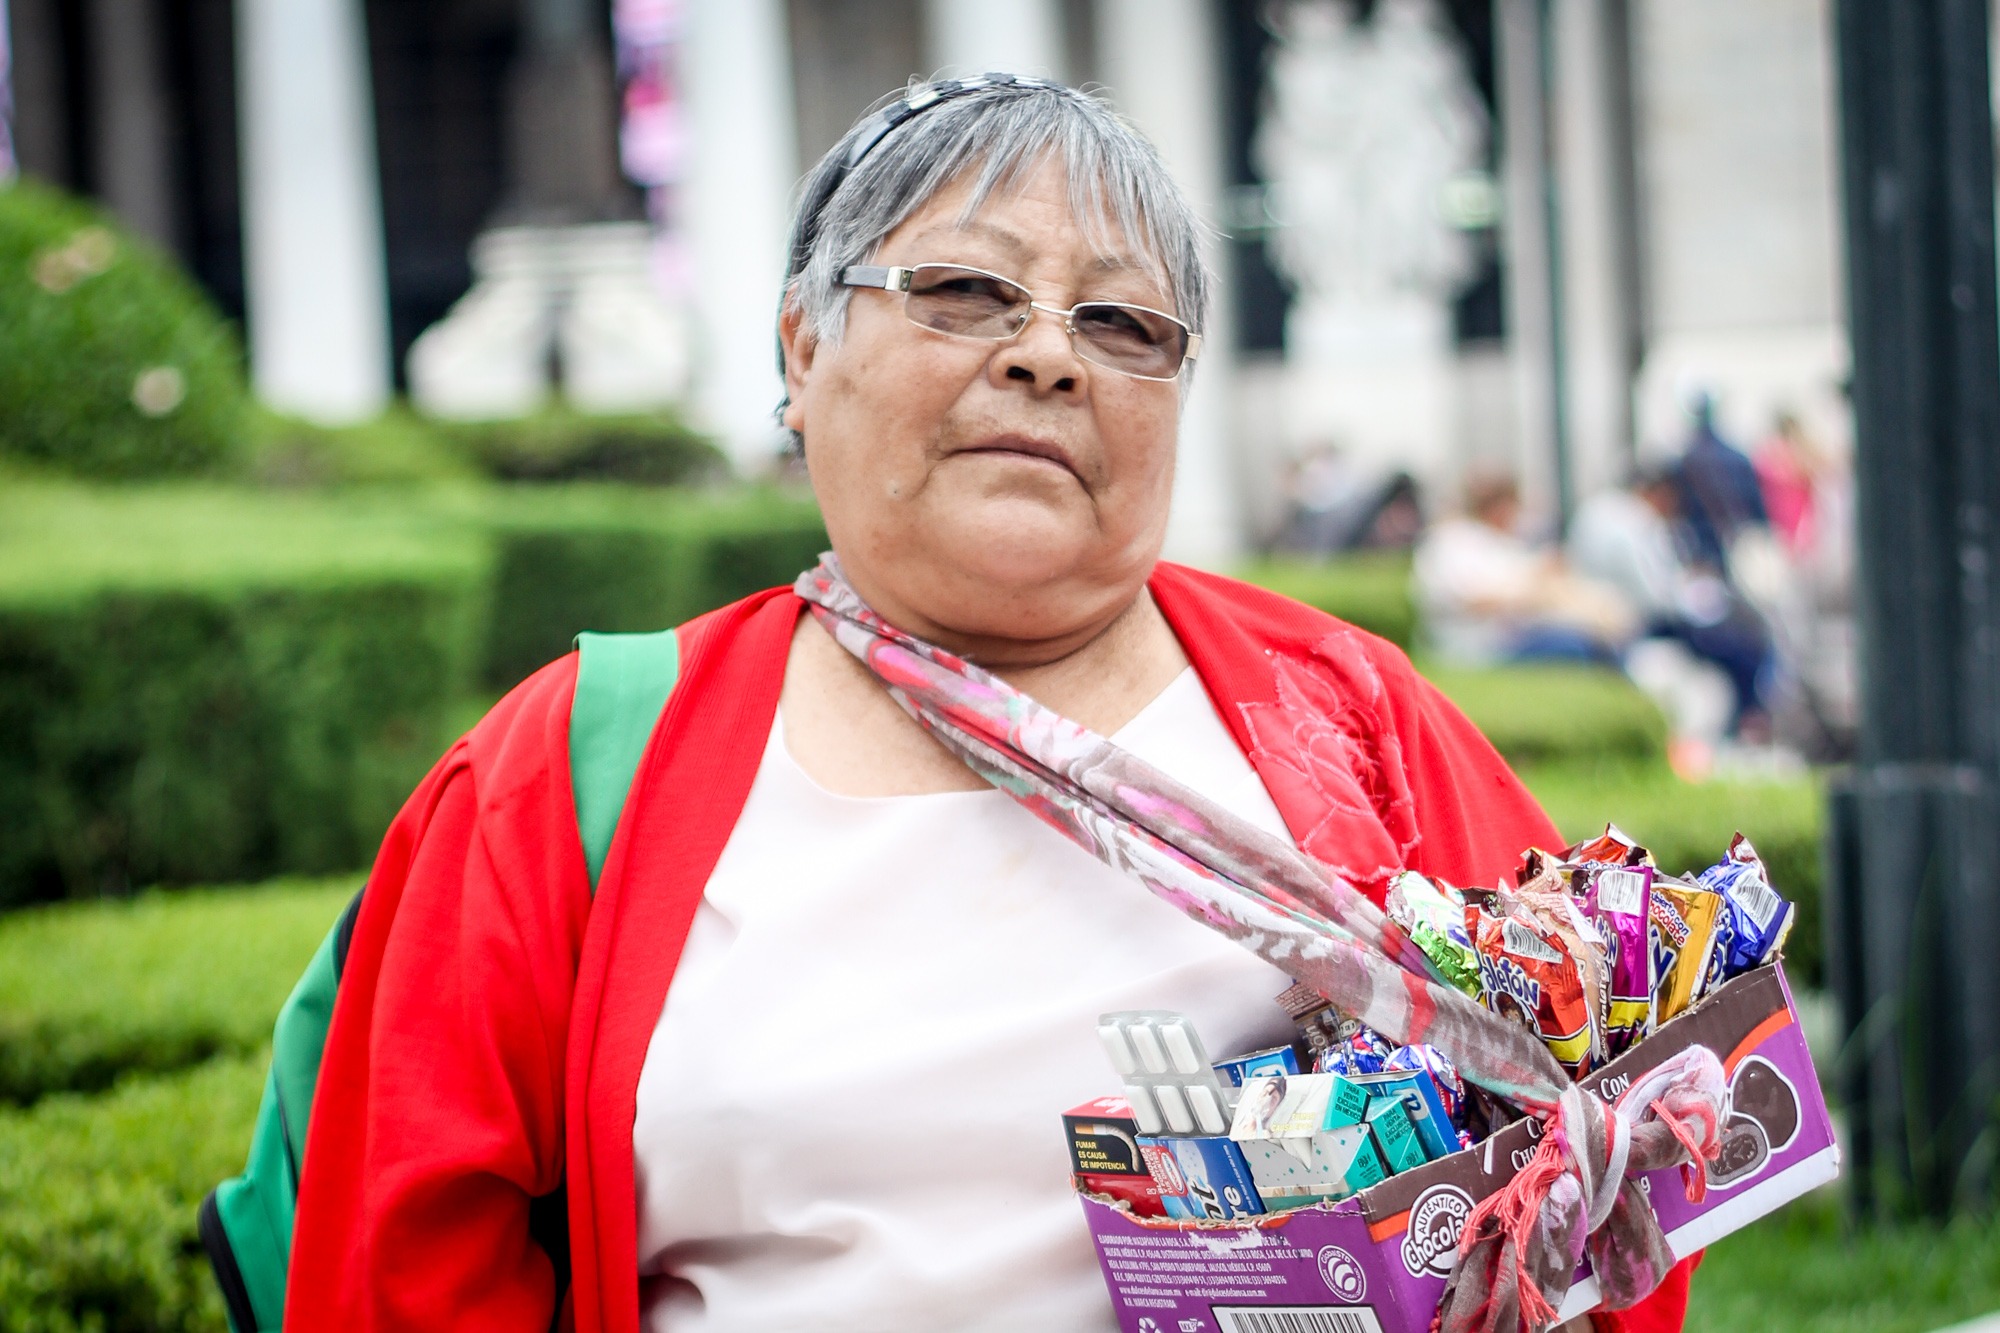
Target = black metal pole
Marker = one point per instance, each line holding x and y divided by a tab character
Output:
1914	843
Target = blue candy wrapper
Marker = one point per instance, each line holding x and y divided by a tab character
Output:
1365	1052
1754	919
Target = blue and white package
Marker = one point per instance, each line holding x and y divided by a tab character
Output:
1201	1178
1240	1070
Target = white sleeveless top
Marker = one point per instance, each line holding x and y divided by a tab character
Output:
848	1117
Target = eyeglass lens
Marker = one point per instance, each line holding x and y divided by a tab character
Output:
967	303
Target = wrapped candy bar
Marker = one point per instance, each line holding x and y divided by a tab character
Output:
1527	973
1618	900
1558	916
1758	919
1433	916
1611	848
1683	922
1363	1052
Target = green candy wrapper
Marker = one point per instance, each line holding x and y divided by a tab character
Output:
1433	916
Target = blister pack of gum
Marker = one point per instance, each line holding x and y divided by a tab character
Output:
1168	1079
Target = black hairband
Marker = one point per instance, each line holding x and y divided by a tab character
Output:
872	132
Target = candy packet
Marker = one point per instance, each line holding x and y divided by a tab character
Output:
1363	1052
1758	918
1433	916
1618	900
1683	920
1529	974
1613	847
1559	915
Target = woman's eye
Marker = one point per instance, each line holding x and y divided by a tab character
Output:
969	288
1116	322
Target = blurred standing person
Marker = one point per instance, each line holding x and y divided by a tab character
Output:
1789	467
1720	496
1489	595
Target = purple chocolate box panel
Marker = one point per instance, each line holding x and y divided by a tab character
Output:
1378	1261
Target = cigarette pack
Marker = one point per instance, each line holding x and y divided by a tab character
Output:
1420	1098
1395	1136
1141	1194
1376	1262
1103	1138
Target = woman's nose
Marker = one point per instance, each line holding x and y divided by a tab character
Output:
1041	354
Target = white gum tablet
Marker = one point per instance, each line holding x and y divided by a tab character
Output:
1147	1042
1180	1048
1118	1049
1179	1120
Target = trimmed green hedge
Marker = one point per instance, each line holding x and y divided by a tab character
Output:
605	558
98	1198
112	362
1688	826
204	685
174	979
1548	713
558	445
1371	590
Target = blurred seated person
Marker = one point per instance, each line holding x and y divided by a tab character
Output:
1636	540
1337	505
1490	596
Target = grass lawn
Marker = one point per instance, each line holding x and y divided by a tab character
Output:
1807	1269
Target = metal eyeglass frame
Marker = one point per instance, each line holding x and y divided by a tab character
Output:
897	279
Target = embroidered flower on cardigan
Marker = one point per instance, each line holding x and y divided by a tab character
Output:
1325	742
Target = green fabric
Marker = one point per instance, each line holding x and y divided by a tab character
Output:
622	683
256	1207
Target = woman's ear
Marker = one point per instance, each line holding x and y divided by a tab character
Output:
800	347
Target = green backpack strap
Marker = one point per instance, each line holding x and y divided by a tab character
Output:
245	1223
622	684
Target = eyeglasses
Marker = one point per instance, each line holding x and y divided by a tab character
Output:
972	303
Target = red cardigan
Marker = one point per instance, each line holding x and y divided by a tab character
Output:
493	1019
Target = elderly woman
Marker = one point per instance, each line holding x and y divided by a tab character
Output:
798	1061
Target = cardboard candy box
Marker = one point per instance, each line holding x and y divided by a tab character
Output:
1376	1262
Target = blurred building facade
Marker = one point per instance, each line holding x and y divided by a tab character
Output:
1451	232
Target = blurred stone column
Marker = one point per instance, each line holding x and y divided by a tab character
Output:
975	36
317	294
130	116
743	161
1161	62
1593	154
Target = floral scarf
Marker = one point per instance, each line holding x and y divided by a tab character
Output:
1295	913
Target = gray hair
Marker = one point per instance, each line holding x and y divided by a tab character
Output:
1116	179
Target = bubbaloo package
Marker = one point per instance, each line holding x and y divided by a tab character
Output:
1337	1198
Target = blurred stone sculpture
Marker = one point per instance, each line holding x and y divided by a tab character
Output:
565	285
1366	128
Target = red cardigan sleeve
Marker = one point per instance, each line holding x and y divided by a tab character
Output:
439	1110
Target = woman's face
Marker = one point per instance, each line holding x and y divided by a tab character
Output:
1006	498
